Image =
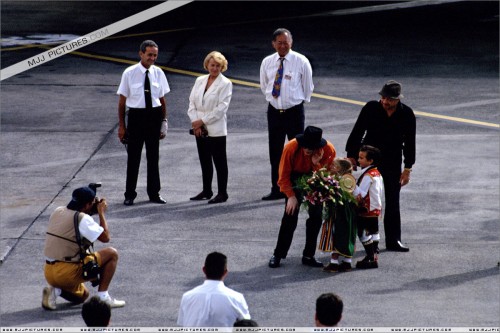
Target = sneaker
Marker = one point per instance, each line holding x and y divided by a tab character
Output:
345	267
367	263
112	302
49	298
331	268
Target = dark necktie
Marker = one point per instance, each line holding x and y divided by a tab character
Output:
277	80
147	92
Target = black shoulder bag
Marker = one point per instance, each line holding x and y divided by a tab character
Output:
90	267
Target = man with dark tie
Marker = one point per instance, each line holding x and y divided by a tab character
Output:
142	91
286	82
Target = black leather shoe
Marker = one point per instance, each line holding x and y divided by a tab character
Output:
345	267
128	202
202	196
397	247
367	263
311	262
274	196
158	200
274	262
219	198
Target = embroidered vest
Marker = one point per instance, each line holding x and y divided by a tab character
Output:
368	210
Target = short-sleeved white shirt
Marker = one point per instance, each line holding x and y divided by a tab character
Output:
132	85
89	229
212	304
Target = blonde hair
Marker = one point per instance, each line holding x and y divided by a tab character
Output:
343	166
218	57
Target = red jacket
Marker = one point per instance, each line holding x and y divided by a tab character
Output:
294	160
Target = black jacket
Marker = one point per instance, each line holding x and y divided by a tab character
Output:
394	136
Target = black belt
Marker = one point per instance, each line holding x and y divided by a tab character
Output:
56	261
289	109
144	109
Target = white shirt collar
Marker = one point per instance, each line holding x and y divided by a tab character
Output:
213	282
144	69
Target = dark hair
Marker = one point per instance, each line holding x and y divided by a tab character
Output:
147	43
372	153
245	323
329	309
215	266
96	313
281	31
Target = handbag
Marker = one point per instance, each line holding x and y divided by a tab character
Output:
90	266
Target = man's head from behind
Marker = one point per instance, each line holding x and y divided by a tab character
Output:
328	310
96	313
215	266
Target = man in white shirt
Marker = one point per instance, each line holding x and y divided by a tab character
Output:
212	304
286	82
142	90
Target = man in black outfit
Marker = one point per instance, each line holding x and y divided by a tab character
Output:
390	126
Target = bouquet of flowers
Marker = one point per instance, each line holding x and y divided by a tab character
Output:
324	188
333	192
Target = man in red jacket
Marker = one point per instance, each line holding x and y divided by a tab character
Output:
306	153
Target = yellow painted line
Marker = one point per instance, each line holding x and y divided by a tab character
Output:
456	119
23	47
338	99
94	56
150	33
256	85
418	113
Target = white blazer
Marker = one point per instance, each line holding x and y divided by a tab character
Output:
211	106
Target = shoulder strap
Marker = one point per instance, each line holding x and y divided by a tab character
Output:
77	234
66	239
363	174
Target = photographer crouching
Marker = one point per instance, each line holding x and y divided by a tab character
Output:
69	259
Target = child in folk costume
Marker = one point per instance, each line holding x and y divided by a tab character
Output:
338	234
369	192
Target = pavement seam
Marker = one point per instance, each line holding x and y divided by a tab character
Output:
9	249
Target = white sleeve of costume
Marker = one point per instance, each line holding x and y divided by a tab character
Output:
364	187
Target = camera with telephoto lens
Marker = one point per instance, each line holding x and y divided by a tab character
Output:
94	187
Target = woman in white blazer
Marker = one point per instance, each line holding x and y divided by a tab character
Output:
208	104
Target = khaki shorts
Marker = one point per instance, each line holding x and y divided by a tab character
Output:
68	277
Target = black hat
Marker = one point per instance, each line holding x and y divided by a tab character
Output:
311	139
391	89
80	197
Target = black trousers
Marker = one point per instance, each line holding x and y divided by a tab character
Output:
367	225
213	149
288	226
391	173
143	128
281	125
